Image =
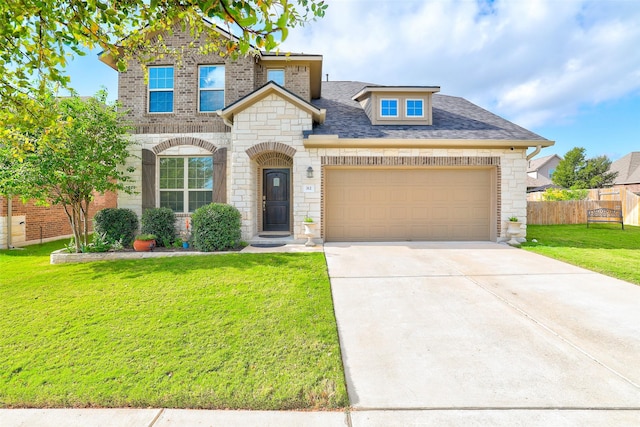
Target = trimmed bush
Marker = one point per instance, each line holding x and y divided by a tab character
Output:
116	225
216	227
162	223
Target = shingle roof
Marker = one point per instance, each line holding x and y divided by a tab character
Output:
453	118
537	163
628	168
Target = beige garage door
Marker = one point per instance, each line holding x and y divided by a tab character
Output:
368	204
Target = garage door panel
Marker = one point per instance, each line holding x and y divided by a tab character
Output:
407	204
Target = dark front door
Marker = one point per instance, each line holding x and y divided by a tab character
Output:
275	200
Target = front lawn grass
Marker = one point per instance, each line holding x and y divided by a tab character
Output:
241	331
604	248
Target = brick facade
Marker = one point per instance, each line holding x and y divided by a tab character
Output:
32	223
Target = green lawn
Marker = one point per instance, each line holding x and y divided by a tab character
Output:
604	248
250	331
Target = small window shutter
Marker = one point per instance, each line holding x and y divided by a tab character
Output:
220	176
148	179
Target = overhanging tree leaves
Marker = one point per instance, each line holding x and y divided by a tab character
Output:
86	156
575	171
38	37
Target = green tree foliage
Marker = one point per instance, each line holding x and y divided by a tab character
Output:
575	171
557	194
87	155
38	38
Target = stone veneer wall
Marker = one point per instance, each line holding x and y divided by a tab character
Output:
277	124
155	142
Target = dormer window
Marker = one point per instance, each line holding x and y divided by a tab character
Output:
160	90
210	88
398	105
414	108
276	76
389	107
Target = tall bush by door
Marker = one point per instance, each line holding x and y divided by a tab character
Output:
162	223
116	224
216	227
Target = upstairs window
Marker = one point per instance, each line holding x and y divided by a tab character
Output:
161	89
389	107
414	108
186	183
210	88
276	76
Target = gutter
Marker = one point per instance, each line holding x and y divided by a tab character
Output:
533	154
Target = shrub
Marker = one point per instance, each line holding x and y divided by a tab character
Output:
116	225
557	194
162	223
216	227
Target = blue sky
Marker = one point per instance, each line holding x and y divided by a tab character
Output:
568	70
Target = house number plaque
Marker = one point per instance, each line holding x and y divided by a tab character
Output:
309	189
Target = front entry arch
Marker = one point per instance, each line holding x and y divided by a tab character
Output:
275	187
276	199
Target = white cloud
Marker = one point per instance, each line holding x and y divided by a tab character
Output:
534	61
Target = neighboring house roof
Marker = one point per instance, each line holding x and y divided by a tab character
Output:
536	164
454	118
628	168
539	183
228	112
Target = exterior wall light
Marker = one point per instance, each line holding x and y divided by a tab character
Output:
309	172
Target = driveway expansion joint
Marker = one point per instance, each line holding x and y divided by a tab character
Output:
553	332
156	418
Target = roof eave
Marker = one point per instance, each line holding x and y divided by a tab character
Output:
334	141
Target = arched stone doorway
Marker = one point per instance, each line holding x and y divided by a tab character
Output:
273	163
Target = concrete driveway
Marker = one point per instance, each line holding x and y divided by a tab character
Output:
443	333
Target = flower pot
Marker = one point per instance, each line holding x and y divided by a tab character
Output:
513	231
309	232
185	245
144	245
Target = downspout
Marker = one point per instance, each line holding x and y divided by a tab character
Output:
536	151
9	221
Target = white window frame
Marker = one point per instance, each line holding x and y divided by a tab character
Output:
172	90
277	69
406	108
185	190
222	89
386	116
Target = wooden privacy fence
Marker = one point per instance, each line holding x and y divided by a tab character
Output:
575	211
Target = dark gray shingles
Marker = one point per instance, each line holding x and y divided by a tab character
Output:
453	118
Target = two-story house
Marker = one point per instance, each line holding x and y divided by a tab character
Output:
366	162
540	171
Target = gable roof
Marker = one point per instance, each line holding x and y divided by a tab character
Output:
628	168
536	164
314	62
455	120
228	113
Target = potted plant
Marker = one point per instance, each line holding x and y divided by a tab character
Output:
513	229
185	235
144	242
309	226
